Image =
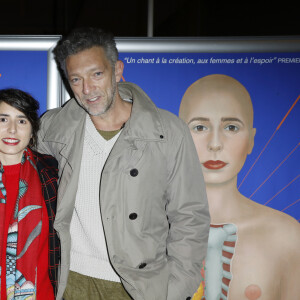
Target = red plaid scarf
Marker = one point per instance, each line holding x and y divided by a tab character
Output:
25	224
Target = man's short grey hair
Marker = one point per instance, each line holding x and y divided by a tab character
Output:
82	39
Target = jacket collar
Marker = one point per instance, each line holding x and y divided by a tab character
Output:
145	121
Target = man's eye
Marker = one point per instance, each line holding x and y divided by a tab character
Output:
3	120
200	128
74	80
231	128
23	122
97	74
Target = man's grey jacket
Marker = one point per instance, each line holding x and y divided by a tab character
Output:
152	197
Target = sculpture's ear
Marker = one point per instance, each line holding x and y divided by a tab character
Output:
251	139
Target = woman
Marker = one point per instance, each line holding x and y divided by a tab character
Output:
253	250
29	247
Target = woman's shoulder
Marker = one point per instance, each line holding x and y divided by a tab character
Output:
45	161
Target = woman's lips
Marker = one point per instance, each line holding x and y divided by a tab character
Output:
10	142
214	164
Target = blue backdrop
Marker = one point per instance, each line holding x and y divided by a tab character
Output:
271	173
25	70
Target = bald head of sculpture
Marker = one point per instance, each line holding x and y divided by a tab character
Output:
216	85
219	113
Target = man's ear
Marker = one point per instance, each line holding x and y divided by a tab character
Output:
251	142
119	67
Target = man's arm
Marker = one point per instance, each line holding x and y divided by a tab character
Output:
189	220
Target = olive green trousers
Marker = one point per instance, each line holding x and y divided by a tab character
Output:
81	287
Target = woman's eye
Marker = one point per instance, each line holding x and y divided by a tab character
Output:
231	128
22	122
3	120
199	128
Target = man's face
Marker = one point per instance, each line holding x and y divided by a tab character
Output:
92	80
219	124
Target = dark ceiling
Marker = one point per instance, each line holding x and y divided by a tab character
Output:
190	18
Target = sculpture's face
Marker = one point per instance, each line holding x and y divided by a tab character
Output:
219	124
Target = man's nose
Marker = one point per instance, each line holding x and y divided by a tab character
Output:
87	86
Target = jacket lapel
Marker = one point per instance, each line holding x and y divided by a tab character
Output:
144	124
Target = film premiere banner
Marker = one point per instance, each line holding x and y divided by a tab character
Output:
270	175
252	248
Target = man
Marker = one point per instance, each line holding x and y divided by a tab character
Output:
253	250
129	207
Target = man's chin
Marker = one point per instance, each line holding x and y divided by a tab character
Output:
96	110
91	111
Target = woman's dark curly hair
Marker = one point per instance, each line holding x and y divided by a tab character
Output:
25	103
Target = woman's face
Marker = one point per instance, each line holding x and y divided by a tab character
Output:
219	124
15	134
